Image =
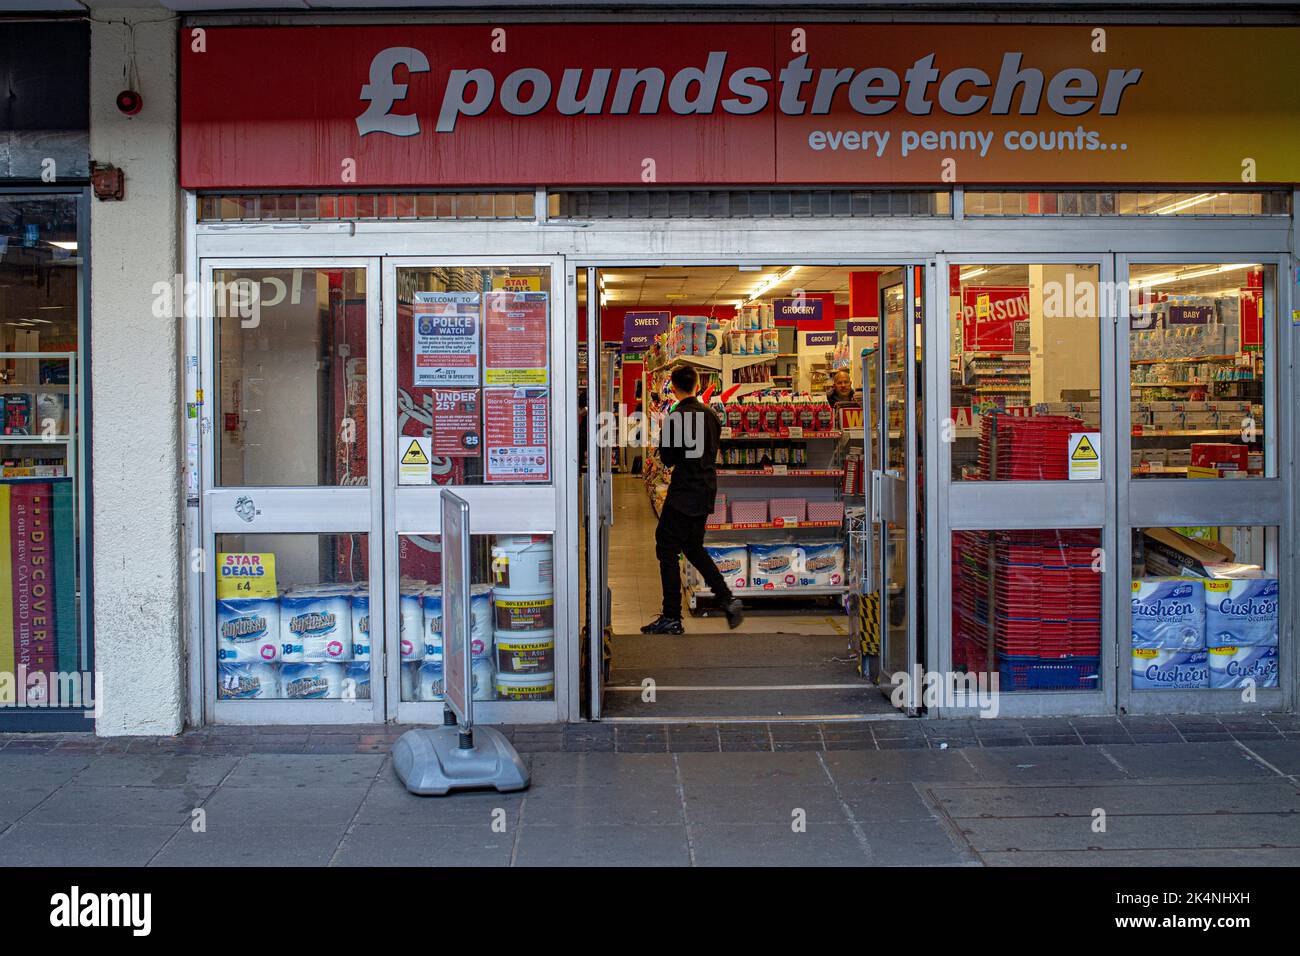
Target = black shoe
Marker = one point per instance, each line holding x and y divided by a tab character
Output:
664	625
735	613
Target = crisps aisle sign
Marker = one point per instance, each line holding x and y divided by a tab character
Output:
738	103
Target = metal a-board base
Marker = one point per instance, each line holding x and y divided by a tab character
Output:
431	763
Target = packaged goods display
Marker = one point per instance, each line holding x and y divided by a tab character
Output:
1215	625
316	641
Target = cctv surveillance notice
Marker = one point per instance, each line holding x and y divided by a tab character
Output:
445	326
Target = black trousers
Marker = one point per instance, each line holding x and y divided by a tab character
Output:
680	533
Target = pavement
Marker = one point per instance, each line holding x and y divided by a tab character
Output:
1082	792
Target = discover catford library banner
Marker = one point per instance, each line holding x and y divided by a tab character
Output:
629	104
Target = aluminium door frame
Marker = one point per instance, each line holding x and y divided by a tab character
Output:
537	510
1267	501
904	263
1026	505
293	508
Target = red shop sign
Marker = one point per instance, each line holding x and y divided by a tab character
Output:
390	106
989	316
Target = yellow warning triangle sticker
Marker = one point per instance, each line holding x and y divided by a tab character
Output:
414	455
1084	451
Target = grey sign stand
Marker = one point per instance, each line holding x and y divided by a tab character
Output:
435	761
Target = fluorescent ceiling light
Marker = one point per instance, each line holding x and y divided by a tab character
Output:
1166	277
978	271
770	282
63	244
1182	204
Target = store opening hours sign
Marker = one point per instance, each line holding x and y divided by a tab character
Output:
736	103
516	423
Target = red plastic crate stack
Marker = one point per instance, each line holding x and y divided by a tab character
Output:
1025	449
1047	597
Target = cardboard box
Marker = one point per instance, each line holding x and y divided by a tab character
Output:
1167	549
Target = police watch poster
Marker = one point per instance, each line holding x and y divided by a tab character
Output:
517	427
445	326
515	329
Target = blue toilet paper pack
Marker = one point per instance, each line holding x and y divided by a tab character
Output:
1169	614
1231	667
1241	612
1166	669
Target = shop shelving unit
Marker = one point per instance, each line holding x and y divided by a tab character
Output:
64	442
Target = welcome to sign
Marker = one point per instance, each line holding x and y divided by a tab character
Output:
739	103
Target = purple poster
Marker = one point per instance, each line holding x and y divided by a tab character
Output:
1191	314
798	310
640	329
814	339
863	327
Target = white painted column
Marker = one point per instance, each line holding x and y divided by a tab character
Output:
135	452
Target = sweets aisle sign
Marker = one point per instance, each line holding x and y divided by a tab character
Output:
38	560
736	103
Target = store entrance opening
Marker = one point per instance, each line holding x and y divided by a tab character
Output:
813	373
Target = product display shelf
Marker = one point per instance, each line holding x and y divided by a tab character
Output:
61	442
777	525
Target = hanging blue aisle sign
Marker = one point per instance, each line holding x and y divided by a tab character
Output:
863	327
640	329
798	310
814	339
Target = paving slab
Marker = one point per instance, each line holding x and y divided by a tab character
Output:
601	769
762	804
304	770
824	844
389	803
878	804
1282	754
371	845
1146	858
283	806
1017	765
900	766
39	770
602	846
252	845
1187	762
917	843
757	769
42	844
113	807
646	805
1168	831
162	770
1125	798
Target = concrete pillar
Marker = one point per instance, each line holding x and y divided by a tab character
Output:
135	453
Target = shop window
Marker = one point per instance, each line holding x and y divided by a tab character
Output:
292	377
44	653
474	373
512	617
1205	609
1027	608
293	617
1025	365
255	207
746	204
1077	202
1197	341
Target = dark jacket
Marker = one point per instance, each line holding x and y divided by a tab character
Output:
834	399
694	484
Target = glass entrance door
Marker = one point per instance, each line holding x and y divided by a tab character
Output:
470	397
291	557
1027	560
889	418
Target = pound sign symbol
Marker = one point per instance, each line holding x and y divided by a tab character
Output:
382	92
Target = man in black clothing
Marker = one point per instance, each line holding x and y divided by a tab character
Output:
688	443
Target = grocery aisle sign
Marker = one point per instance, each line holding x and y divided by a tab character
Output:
737	103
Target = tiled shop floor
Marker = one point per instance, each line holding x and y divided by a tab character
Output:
673	795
